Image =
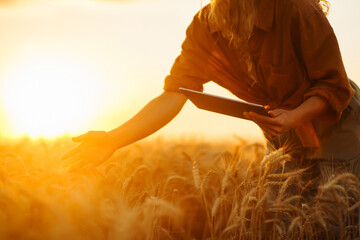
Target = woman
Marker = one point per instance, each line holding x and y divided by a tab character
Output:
281	53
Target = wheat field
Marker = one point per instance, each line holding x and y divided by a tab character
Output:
180	189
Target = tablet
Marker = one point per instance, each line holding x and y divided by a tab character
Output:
227	106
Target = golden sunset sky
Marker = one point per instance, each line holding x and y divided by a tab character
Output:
77	65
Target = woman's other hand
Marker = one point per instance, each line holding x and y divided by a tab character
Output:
280	121
95	148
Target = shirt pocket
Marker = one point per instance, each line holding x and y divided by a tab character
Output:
283	81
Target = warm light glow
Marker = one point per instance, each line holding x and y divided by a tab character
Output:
48	96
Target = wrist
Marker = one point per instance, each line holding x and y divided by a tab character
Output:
298	118
312	108
112	140
117	138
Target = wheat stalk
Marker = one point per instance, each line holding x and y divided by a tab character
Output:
195	171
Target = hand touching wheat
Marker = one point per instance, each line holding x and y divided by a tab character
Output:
95	148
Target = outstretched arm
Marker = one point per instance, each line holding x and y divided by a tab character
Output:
156	114
97	146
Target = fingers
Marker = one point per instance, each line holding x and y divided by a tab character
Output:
261	119
268	125
71	152
92	151
76	165
276	112
83	163
74	157
81	158
82	166
73	162
270	129
274	131
80	161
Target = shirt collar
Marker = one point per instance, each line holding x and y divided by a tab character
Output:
264	18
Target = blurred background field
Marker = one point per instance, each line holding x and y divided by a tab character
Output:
168	189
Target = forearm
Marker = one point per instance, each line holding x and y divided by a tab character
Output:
312	108
156	114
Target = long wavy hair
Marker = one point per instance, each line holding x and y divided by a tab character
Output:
325	5
235	19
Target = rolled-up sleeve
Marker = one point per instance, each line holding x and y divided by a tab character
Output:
324	66
190	69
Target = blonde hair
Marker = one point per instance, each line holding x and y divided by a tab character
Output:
325	6
235	19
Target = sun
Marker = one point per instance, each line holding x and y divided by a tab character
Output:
49	96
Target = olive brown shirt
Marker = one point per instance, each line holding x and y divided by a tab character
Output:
294	51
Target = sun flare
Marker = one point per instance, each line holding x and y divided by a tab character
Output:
48	96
